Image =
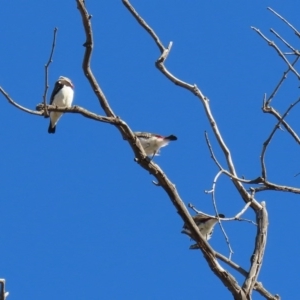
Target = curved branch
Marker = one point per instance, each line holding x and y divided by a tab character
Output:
11	101
89	43
268	140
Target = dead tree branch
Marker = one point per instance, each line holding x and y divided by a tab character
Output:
268	140
11	101
284	20
46	72
237	292
260	245
273	45
151	167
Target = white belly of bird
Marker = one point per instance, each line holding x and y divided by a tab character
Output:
206	229
63	98
153	144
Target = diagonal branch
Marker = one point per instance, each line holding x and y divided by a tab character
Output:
269	186
272	44
267	103
268	140
295	51
143	23
285	21
238	293
204	100
150	166
272	111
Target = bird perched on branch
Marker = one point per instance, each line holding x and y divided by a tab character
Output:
152	142
206	226
62	96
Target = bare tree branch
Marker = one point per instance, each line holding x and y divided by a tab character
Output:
271	110
268	140
144	162
272	44
295	51
260	245
11	101
89	43
269	186
267	103
232	286
258	285
46	72
285	21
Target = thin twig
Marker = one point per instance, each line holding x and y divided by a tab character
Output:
235	218
11	101
46	72
284	41
268	140
143	23
212	155
272	111
272	44
269	186
213	189
285	21
267	102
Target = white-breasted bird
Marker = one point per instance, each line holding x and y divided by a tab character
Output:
206	226
62	96
152	142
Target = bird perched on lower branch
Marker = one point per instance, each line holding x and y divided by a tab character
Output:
152	142
206	227
62	96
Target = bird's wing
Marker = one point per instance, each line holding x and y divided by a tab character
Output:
199	219
58	86
145	135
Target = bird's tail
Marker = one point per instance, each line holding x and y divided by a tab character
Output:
51	129
171	137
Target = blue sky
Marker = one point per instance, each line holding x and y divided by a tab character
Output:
79	218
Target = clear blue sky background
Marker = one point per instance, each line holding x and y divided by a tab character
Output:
79	218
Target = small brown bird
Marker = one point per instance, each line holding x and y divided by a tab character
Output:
206	226
152	142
